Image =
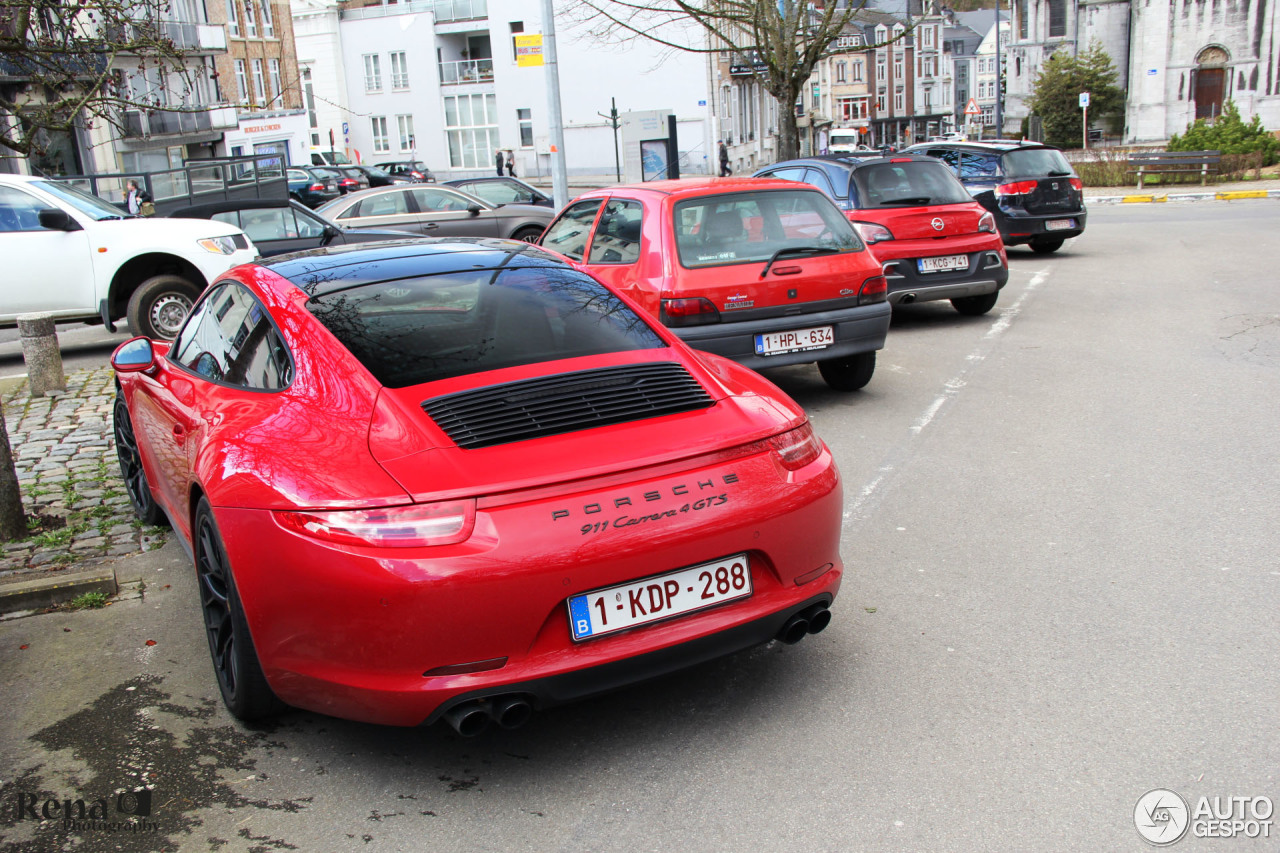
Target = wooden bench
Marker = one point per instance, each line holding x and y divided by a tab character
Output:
1203	163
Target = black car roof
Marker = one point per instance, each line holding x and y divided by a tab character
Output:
853	161
999	145
204	211
321	271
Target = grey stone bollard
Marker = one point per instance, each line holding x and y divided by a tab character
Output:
40	352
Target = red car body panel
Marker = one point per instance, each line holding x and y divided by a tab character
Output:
351	630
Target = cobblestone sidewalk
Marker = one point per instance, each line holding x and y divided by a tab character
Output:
66	462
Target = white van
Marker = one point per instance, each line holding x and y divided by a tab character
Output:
322	157
845	141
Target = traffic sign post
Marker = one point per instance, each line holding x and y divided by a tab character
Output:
971	110
1084	105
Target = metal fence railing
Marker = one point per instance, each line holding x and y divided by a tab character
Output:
196	182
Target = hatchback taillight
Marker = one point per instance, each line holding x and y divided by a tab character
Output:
873	232
1017	188
413	526
874	289
987	223
417	175
689	311
317	188
797	448
1076	184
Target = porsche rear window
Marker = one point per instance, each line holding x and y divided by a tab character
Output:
750	227
410	331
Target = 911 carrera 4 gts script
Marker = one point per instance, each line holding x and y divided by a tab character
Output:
632	520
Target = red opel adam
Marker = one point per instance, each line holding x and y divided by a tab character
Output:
462	480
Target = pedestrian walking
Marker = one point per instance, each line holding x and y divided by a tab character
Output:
137	201
725	171
498	160
511	163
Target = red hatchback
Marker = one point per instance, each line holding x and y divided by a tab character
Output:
935	241
763	272
462	480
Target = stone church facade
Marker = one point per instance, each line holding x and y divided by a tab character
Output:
1178	60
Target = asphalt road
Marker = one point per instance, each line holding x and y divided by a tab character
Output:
1061	593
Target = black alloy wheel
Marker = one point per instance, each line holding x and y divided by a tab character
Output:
135	478
235	661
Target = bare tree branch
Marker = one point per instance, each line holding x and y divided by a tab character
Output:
71	63
786	38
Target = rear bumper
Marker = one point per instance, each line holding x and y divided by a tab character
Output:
857	330
988	272
585	683
1018	227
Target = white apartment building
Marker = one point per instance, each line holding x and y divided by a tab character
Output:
440	81
987	76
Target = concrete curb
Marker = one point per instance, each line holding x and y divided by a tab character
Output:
52	591
1151	198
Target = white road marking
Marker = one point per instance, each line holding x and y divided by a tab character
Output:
950	389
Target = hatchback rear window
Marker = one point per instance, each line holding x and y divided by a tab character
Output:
751	227
1036	162
912	183
410	331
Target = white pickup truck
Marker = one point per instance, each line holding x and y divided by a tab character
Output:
75	256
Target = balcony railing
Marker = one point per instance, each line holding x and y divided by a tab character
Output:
460	10
185	35
466	71
445	11
141	124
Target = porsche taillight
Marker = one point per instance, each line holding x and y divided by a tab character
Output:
797	448
413	526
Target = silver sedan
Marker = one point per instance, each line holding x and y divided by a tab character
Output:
436	211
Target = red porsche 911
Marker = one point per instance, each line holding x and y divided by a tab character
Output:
462	480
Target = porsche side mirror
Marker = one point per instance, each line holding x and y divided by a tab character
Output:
133	356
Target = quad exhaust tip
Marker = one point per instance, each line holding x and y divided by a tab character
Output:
472	718
810	621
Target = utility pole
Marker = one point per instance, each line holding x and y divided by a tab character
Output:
1000	75
559	180
615	124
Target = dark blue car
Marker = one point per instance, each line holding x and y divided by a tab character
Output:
311	188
